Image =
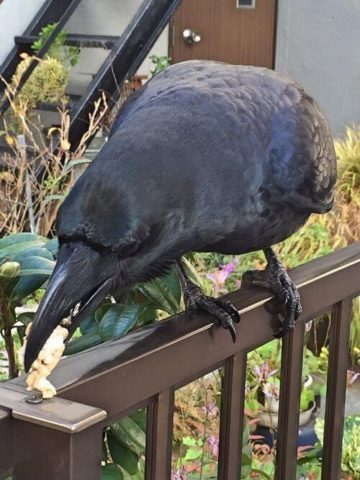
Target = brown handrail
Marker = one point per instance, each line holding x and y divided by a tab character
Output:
145	367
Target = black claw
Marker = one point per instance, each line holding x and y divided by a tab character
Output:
230	309
223	310
232	331
288	306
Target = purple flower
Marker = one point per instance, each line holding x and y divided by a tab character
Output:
213	444
211	409
263	372
220	276
179	474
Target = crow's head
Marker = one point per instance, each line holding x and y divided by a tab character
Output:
82	277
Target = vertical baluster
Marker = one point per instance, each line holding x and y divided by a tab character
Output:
232	416
159	436
336	389
290	390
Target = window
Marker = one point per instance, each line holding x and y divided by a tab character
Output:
245	3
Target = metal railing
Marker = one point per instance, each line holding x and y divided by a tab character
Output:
61	438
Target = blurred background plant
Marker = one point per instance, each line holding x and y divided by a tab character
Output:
159	63
27	259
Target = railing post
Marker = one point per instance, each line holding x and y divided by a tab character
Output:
44	454
6	444
159	431
232	418
336	389
56	439
290	389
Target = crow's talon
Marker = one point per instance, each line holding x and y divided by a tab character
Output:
278	281
223	310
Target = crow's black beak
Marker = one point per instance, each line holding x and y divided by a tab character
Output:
80	281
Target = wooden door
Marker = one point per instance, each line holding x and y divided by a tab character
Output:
233	31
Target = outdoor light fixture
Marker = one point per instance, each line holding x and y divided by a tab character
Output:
245	3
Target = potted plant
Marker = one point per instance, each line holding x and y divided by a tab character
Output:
263	392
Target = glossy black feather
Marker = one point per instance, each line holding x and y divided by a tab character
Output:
207	156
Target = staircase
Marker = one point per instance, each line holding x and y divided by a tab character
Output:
125	53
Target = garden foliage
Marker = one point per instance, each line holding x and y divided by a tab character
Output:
27	259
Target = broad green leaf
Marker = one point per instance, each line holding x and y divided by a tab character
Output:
24	318
82	343
139	417
89	324
36	266
16	238
111	472
172	281
160	295
19	248
129	434
118	320
53	246
34	273
33	252
122	455
102	309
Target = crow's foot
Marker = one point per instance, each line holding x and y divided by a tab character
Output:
278	281
223	310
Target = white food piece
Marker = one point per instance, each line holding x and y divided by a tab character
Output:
47	360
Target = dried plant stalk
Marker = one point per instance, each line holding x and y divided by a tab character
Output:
25	202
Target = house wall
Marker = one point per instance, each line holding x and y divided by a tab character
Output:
318	44
15	16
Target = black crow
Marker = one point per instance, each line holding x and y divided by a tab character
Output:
206	157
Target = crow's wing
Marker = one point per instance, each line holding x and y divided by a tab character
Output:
198	143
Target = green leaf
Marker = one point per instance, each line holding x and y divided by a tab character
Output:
246	465
193	454
122	455
89	325
42	252
159	293
189	441
82	343
50	198
36	266
129	434
192	272
24	319
111	472
19	248
139	418
15	238
53	246
34	273
102	309
118	320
